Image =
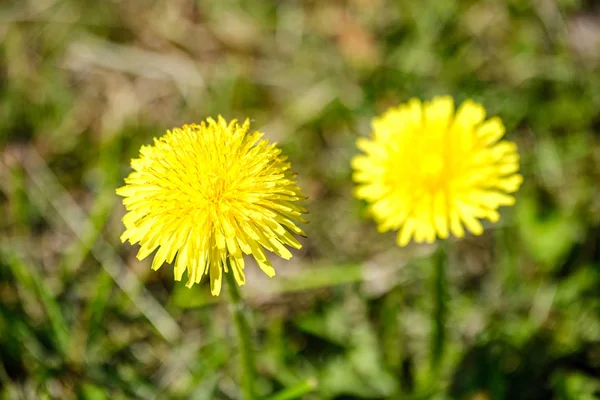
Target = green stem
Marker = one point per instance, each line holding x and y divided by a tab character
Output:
440	305
244	336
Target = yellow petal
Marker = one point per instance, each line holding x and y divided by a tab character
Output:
405	234
216	278
490	131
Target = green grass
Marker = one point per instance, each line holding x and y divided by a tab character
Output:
83	84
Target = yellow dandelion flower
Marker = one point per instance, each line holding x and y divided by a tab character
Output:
205	194
428	171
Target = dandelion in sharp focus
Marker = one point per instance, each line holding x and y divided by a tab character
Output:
429	171
202	195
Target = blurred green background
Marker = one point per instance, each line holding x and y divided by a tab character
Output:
84	83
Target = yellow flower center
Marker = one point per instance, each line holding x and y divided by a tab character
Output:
422	168
432	167
216	188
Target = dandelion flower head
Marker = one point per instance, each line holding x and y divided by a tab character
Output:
429	171
203	195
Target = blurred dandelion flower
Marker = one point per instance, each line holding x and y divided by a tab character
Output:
428	171
204	194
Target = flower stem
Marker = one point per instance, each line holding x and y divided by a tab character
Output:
244	336
440	305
